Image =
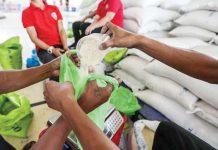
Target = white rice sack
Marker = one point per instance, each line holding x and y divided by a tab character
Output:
87	3
155	26
216	40
204	90
130	81
200	5
157	34
210	50
202	18
170	89
177	114
141	3
191	31
134	66
131	25
182	42
89	52
134	13
149	27
206	112
139	53
174	4
144	16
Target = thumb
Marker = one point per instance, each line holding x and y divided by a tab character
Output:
107	44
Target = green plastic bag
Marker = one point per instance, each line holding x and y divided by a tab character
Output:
70	33
15	115
79	79
11	54
124	101
115	56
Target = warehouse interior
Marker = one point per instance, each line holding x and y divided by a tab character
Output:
109	74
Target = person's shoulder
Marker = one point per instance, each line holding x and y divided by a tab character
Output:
26	11
116	1
53	7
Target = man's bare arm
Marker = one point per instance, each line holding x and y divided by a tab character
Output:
85	129
62	35
63	101
15	80
62	128
34	38
191	63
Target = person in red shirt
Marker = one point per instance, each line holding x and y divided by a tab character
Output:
108	10
44	26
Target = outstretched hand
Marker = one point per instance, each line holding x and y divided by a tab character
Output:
119	37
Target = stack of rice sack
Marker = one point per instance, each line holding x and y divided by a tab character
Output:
189	102
88	5
196	27
146	17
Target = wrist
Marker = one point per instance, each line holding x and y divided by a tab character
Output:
139	39
50	49
64	124
68	102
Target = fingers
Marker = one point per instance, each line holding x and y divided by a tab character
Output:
108	88
87	31
109	32
109	26
74	58
61	50
104	29
56	73
91	69
57	53
48	85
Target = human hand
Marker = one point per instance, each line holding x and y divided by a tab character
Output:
89	29
94	96
56	94
119	37
55	64
65	49
58	52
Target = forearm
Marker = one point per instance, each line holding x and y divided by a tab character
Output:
15	80
102	22
41	44
54	137
191	63
63	39
61	129
82	125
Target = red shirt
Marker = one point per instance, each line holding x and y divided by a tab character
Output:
114	6
45	23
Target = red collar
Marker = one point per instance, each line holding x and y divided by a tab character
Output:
32	6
